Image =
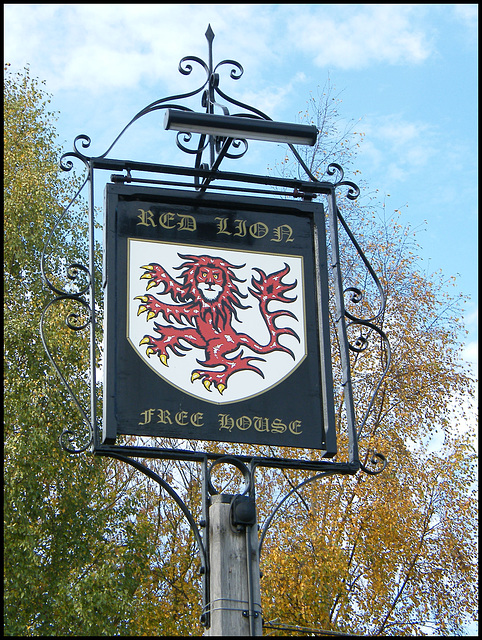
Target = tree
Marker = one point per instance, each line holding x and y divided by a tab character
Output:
393	554
94	548
73	554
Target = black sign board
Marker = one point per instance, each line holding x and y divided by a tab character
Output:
216	321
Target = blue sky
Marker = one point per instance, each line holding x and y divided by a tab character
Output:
406	74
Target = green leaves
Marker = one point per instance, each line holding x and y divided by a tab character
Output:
74	548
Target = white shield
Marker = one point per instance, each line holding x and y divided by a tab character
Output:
240	357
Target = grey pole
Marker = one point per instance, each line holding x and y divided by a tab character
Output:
235	597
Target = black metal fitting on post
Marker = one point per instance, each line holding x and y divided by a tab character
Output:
243	512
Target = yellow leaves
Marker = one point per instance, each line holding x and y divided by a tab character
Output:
377	541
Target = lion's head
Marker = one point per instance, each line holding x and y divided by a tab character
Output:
210	283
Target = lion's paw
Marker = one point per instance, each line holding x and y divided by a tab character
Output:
209	378
153	347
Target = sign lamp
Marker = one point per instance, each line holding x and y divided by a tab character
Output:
239	127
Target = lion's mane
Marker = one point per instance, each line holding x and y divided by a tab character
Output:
228	300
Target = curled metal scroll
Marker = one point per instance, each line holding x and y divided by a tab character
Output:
376	459
76	289
236	71
353	189
187	68
66	163
242	145
184	138
366	325
69	440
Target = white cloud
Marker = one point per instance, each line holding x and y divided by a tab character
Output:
410	145
472	318
470	353
361	35
96	47
468	16
270	97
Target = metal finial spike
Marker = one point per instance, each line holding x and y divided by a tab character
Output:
210	37
209	33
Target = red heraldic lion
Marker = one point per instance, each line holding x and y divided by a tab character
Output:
200	313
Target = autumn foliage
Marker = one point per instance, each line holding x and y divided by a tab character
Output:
95	548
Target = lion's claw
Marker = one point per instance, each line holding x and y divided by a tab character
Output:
209	378
152	348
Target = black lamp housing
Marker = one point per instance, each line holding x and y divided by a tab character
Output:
238	127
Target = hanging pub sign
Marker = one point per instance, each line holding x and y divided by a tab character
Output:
216	321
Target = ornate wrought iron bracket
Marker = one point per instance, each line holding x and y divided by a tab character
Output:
81	289
204	174
369	324
83	295
208	175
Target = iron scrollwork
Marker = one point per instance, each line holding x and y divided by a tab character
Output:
80	291
77	290
361	342
208	91
211	93
376	460
366	325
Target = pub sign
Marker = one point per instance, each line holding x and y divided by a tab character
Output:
216	324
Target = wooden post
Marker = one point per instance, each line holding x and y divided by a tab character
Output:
235	597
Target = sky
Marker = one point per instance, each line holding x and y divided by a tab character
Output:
406	75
